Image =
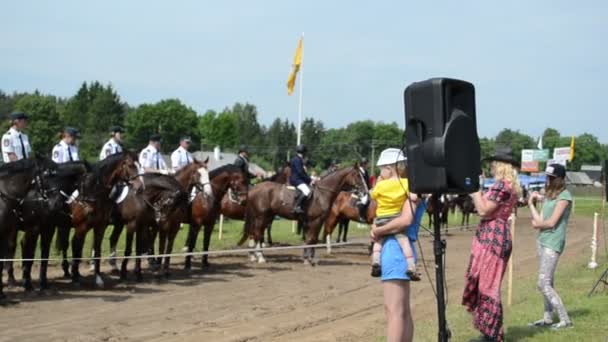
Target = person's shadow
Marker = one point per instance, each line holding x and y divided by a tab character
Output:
519	333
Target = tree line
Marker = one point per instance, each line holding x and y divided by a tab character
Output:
95	107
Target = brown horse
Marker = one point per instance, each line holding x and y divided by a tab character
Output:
90	208
345	209
153	203
205	208
467	207
443	208
269	199
236	211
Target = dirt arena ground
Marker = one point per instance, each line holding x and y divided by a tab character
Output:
234	300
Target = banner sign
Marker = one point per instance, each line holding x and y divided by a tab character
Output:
527	156
561	153
529	166
534	155
541	155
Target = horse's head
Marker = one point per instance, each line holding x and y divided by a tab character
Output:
354	180
230	177
119	167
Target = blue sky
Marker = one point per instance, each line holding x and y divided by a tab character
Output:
534	63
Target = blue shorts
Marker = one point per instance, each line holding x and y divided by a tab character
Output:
392	262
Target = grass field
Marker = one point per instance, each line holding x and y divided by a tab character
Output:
573	282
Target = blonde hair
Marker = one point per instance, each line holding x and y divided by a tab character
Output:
398	169
505	171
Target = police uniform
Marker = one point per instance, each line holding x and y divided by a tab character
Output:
109	148
151	158
180	158
15	142
63	153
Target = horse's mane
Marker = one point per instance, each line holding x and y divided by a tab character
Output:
73	168
158	180
16	166
226	168
183	169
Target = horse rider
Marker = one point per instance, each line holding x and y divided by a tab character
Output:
242	162
300	179
150	159
66	150
333	167
114	145
181	156
15	144
363	202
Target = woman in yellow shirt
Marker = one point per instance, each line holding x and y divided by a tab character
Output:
391	192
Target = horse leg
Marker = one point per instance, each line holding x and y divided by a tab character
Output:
77	245
28	248
11	281
46	237
192	237
98	239
268	232
169	250
162	248
114	237
206	241
128	250
345	231
140	249
259	255
63	243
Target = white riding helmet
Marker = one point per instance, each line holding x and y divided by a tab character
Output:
391	156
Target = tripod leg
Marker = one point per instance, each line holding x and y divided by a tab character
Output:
603	279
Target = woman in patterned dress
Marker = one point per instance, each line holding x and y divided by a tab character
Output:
491	247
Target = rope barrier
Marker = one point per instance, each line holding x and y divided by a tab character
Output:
221	252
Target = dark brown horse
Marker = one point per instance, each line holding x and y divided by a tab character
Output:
466	206
270	199
206	208
42	212
345	209
443	208
90	209
16	180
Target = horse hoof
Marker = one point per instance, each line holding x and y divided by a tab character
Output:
252	258
261	260
167	275
205	264
10	283
307	262
67	275
99	283
27	287
139	278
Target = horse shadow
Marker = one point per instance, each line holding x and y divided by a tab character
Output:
518	333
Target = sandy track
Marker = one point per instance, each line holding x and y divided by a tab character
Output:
238	301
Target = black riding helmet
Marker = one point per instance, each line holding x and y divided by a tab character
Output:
243	148
301	149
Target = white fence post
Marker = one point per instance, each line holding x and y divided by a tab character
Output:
219	236
593	264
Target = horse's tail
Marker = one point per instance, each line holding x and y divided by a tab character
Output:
63	239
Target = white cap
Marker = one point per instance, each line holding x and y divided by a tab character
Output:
391	156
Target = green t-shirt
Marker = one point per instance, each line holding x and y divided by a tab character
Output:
555	238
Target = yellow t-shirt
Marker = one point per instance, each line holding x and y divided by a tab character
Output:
390	194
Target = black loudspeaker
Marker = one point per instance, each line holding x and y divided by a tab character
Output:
441	136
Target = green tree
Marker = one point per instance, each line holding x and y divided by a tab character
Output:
43	124
515	140
93	110
170	118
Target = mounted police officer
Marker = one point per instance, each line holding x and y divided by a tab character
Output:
66	150
150	159
300	179
181	156
15	144
114	145
242	162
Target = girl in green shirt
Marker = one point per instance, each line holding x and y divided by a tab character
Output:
551	240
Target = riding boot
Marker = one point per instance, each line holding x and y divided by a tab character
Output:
362	212
299	203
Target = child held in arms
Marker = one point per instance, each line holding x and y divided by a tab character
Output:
390	193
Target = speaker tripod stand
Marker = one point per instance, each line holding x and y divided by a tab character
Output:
603	279
439	251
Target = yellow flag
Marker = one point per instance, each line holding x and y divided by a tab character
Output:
572	148
297	61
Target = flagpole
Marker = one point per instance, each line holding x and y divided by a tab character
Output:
301	91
